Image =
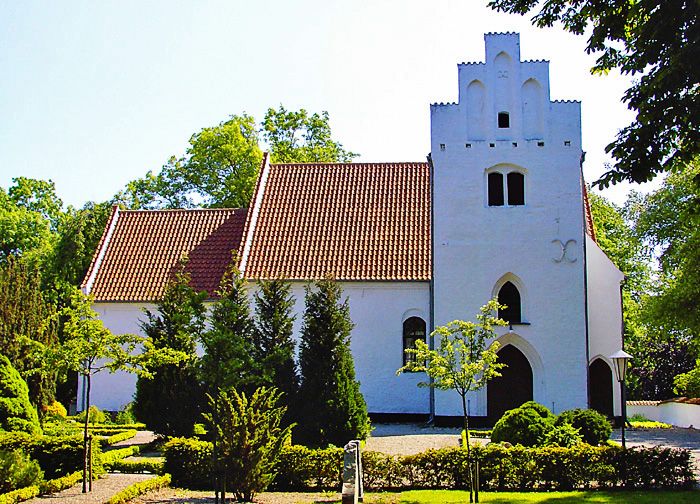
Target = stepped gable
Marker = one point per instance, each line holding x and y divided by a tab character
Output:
142	248
353	221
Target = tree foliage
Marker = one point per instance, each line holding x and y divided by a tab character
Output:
23	232
659	42
228	360
16	412
297	137
463	361
170	400
221	164
273	346
334	410
90	348
250	439
26	318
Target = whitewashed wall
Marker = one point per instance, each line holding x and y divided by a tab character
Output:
678	414
378	310
477	247
112	391
604	311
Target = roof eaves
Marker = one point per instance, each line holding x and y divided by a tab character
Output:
89	279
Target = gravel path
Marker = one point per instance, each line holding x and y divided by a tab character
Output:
105	487
102	490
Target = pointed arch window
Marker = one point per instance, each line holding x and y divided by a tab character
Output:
510	296
413	330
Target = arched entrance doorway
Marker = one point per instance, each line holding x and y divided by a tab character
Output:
601	383
511	389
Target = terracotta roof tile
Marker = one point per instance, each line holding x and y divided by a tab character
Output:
354	221
590	229
135	260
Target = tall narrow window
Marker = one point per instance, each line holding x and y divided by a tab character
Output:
503	120
516	188
509	296
496	189
413	330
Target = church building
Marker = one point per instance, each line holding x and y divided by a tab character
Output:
499	209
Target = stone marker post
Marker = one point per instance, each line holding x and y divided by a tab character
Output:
352	490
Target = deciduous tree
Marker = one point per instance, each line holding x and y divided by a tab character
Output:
90	348
463	360
659	42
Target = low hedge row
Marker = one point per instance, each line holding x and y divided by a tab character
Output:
140	488
57	456
112	456
138	466
46	487
116	438
501	468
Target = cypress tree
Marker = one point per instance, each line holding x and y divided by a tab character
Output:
273	346
171	402
26	315
333	410
228	343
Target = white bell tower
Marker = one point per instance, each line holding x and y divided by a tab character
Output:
508	209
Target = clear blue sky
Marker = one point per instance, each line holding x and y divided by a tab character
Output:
94	94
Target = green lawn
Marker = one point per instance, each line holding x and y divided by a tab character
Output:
455	496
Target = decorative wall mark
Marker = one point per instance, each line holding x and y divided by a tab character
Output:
564	249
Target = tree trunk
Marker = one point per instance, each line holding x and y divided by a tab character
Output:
85	434
469	458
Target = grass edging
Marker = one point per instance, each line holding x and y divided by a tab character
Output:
140	488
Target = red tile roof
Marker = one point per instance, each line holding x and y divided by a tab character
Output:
140	250
354	221
590	229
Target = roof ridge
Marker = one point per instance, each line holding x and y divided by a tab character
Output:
361	163
197	209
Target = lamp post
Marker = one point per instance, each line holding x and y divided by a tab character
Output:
620	359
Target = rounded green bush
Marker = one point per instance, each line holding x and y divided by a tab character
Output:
16	412
593	427
527	425
97	416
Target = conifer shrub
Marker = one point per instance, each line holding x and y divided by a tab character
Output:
250	439
593	427
527	425
334	410
17	470
16	411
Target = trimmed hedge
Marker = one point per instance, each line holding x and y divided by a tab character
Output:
116	438
188	461
501	468
140	488
138	466
51	486
112	456
57	456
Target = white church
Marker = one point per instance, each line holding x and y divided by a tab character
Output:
499	210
